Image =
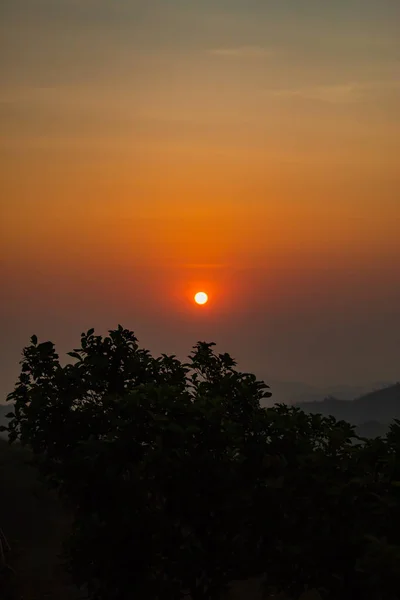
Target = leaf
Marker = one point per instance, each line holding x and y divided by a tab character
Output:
46	346
310	595
158	417
266	462
175	428
276	483
74	355
3	429
10	415
13	436
90	332
34	340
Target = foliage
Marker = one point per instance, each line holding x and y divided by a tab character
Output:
180	482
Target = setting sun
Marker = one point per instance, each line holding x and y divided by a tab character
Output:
201	298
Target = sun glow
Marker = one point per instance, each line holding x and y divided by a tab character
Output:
201	298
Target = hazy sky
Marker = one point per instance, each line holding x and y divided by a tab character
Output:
149	149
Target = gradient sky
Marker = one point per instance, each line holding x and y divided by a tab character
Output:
248	147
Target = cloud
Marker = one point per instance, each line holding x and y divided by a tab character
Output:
344	93
335	94
242	52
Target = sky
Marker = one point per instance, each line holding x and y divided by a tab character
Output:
248	148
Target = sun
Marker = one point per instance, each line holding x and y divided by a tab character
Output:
201	298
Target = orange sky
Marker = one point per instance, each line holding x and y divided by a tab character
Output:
250	148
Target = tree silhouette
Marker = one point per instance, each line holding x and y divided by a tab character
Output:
180	482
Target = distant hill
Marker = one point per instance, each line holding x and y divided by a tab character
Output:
372	429
371	412
294	392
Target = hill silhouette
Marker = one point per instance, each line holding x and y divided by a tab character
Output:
371	412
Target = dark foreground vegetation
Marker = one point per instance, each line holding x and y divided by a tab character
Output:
179	482
34	525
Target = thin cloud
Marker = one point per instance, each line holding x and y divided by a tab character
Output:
335	94
345	93
241	52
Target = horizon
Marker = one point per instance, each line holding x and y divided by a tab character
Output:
285	389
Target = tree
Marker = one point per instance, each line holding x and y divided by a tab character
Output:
180	482
146	452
